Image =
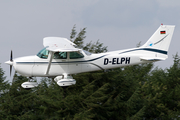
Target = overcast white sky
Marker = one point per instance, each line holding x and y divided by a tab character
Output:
119	24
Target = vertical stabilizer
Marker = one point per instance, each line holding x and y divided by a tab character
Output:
159	42
161	38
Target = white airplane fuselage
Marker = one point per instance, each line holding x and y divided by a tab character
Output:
33	66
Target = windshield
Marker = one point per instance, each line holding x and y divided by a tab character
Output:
43	53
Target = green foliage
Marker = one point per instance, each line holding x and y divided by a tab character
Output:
3	84
4	89
78	39
17	102
161	92
73	33
95	47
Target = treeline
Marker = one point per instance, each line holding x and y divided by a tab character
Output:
139	92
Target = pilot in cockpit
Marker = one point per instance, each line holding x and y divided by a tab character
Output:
60	55
56	55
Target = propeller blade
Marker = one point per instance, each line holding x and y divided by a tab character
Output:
10	69
11	57
13	80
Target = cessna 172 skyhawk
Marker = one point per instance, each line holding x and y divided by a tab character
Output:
60	58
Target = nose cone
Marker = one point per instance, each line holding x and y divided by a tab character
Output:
9	62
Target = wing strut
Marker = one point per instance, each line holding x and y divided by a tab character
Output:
49	64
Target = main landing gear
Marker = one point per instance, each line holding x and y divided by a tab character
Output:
65	80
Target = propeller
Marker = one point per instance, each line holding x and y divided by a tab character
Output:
10	62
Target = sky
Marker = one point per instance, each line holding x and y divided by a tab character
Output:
118	24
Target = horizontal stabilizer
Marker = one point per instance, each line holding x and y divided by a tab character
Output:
152	59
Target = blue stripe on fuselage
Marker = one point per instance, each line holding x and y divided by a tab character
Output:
155	50
146	49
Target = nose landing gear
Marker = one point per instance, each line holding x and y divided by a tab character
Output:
28	85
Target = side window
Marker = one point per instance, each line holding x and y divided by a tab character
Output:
60	55
75	55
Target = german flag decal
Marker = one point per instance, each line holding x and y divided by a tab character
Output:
162	32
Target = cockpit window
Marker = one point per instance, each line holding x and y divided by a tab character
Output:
75	55
60	55
43	53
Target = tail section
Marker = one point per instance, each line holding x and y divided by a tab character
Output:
159	42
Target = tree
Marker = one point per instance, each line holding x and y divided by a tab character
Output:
4	89
18	103
78	39
4	85
162	92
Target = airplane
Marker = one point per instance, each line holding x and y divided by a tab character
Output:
60	58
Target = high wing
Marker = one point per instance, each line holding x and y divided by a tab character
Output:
58	44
